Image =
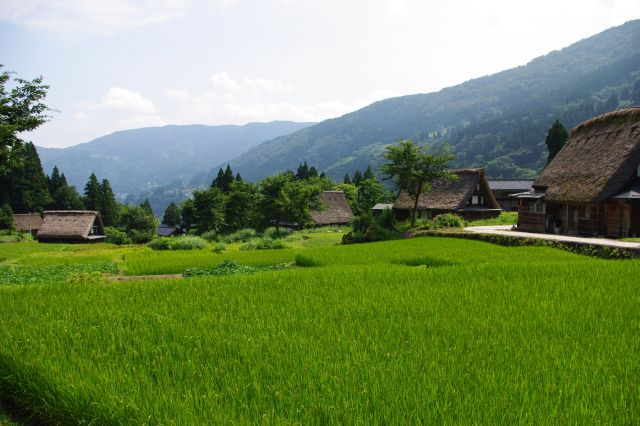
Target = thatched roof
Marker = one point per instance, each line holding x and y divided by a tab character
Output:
70	225
450	195
600	158
26	222
336	212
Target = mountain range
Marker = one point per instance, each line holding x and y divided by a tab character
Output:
498	122
144	159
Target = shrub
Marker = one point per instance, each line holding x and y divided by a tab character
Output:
141	237
448	220
272	232
387	219
210	236
162	243
264	243
424	224
243	235
187	242
374	233
116	236
220	248
362	223
92	277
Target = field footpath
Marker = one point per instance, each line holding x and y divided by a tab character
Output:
506	230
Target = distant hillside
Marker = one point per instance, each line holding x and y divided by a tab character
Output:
498	122
142	159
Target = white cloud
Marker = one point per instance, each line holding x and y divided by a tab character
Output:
89	16
119	109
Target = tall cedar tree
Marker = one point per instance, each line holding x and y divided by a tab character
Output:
370	192
26	188
241	205
303	171
413	168
188	214
56	180
92	194
21	110
209	210
108	205
67	198
172	215
313	172
368	174
238	177
218	181
346	179
556	138
228	178
146	206
357	178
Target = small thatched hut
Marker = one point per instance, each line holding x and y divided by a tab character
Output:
29	222
469	196
592	186
336	212
71	226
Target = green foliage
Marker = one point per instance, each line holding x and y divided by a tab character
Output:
264	243
53	274
146	206
448	220
209	236
208	209
387	219
116	236
183	242
370	192
220	248
242	235
172	215
230	267
413	168
21	110
6	217
556	138
92	194
25	186
224	180
108	206
139	225
505	218
274	233
241	206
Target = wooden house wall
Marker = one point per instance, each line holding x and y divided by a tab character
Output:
529	220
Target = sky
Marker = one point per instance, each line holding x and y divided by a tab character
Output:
122	64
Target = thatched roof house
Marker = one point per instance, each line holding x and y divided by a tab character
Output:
503	189
29	222
336	212
168	230
588	187
71	226
468	196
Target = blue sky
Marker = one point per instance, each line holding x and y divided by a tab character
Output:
120	64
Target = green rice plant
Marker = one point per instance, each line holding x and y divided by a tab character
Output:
229	267
188	242
264	243
242	235
53	274
505	218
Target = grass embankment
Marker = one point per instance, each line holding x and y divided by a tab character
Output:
418	331
505	218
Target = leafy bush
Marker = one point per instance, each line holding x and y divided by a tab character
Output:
363	222
116	236
220	248
162	243
374	233
324	229
230	267
210	236
448	220
93	277
387	219
264	243
141	237
188	242
243	235
272	232
183	242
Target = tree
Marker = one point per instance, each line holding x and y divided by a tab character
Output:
26	188
139	225
188	214
313	172
238	177
556	138
6	217
209	210
272	203
108	205
172	216
92	194
67	198
303	171
241	205
370	192
56	180
21	110
346	179
146	206
228	178
351	192
357	178
299	199
323	175
368	174
218	181
413	168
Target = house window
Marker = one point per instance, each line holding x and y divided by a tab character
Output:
538	207
474	200
582	212
94	230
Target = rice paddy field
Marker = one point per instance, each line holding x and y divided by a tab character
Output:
426	330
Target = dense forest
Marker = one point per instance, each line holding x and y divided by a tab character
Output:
498	122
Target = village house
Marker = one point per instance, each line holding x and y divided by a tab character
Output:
28	222
503	189
71	226
468	196
168	231
336	210
592	186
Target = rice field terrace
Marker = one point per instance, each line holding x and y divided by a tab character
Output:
426	330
